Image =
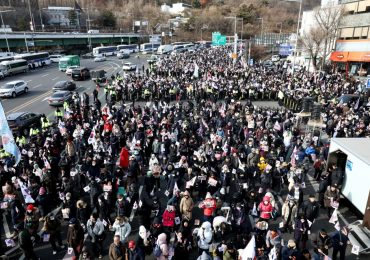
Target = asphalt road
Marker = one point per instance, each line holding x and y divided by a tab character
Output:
41	81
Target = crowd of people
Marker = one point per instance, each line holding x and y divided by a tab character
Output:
192	172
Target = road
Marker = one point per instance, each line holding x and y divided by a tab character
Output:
41	81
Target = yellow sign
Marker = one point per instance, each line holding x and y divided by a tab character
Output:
234	55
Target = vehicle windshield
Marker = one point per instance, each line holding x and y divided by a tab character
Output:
57	95
59	84
7	86
63	62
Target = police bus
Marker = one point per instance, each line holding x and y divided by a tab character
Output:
105	51
35	60
132	48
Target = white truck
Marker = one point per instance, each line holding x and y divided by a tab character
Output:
352	155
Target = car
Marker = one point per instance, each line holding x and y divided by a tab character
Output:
88	55
21	122
13	88
123	55
80	73
100	58
64	85
58	98
70	68
129	66
55	58
153	58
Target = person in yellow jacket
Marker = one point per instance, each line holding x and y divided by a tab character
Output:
58	114
4	154
45	123
21	140
262	164
34	131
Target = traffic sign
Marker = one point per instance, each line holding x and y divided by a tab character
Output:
218	39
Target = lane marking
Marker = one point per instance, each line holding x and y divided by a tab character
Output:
55	78
6	227
37	86
134	210
28	80
29	102
45	75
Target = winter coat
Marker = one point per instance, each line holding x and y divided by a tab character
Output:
337	177
117	252
25	242
311	210
123	230
95	231
75	236
286	209
208	206
330	196
273	241
162	242
205	236
186	207
52	226
136	254
319	242
265	210
300	235
337	238
168	218
124	158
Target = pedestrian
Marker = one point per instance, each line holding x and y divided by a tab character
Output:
52	227
340	241
321	242
289	213
301	229
265	208
75	236
310	208
26	244
121	228
161	249
331	199
95	229
289	251
209	206
117	251
134	252
186	206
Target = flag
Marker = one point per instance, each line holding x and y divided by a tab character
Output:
7	138
334	217
196	70
62	128
277	126
26	193
175	189
272	254
78	7
249	251
337	226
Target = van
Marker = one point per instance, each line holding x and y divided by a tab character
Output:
165	49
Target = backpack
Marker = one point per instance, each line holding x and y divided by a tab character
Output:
157	251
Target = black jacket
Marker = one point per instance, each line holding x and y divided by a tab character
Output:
311	210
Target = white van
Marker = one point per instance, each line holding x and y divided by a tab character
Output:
164	49
55	58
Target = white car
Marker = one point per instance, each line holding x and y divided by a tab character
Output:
55	58
100	58
70	68
128	66
13	88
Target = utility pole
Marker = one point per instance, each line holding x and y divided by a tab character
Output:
3	25
235	38
296	38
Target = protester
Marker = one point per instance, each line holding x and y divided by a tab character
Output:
117	251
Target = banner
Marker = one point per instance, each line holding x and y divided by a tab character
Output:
7	137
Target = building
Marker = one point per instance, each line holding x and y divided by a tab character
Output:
62	16
352	48
175	9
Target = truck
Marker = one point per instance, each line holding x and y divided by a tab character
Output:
352	156
67	61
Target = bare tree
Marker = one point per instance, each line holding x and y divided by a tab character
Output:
328	19
312	41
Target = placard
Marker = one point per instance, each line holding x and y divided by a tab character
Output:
167	193
107	187
177	221
105	223
46	237
70	251
9	242
87	189
355	250
281	224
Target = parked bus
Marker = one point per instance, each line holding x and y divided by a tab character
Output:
6	58
35	60
69	60
105	50
180	43
149	47
130	47
13	67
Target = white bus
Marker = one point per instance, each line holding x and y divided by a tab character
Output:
105	51
13	67
132	48
35	60
149	47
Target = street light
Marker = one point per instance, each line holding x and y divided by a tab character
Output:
296	38
3	25
260	18
88	27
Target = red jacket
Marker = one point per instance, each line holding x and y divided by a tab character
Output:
265	210
108	127
124	158
209	206
168	218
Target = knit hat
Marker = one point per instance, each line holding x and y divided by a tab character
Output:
30	207
291	243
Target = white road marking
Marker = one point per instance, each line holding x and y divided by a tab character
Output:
55	78
6	227
37	86
46	98
29	80
45	75
134	210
